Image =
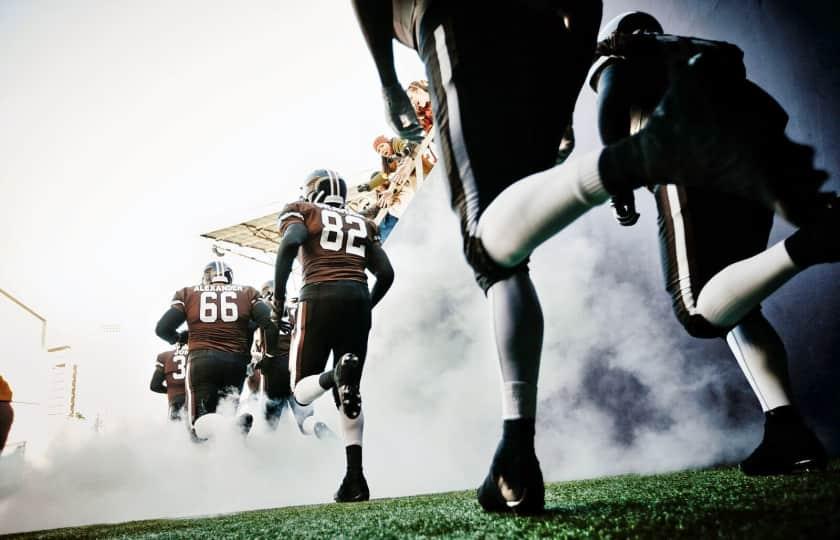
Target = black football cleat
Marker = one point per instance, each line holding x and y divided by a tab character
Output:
353	488
347	374
514	483
788	447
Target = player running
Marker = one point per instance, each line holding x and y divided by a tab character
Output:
217	313
169	378
336	246
271	375
714	245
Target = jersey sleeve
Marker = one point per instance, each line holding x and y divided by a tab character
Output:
179	300
252	295
159	362
292	213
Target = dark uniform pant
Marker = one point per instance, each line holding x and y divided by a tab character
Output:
210	376
277	386
176	406
333	316
702	232
503	79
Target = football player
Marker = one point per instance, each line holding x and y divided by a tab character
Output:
169	376
271	376
217	313
714	245
504	184
336	246
7	413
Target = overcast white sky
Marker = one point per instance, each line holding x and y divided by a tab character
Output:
128	128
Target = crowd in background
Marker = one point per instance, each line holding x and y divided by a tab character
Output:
386	195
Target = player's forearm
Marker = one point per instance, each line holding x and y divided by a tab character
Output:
294	236
381	268
376	21
261	313
156	384
615	86
167	327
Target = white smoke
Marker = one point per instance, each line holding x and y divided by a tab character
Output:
616	392
616	395
145	468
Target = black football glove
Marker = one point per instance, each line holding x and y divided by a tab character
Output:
624	209
400	114
183	337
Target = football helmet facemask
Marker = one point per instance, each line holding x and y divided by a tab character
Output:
325	186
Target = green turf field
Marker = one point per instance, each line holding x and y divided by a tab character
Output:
698	504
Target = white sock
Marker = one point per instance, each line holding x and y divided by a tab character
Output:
763	360
535	208
519	400
308	390
742	286
352	428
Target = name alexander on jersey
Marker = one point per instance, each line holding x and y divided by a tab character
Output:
218	288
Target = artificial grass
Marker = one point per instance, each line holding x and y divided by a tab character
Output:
715	503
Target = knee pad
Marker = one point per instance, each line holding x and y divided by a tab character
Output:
487	271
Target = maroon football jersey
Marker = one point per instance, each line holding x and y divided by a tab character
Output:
175	368
338	241
217	315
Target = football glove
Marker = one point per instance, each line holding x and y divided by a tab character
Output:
624	209
400	113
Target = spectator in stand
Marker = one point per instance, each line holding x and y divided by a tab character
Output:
7	414
363	198
418	94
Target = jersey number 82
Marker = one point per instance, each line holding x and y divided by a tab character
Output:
332	235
